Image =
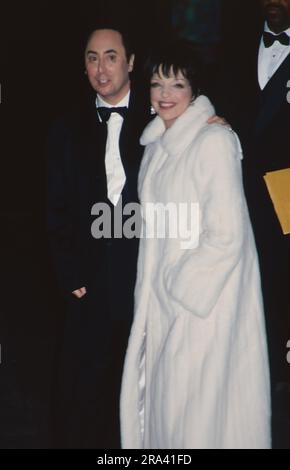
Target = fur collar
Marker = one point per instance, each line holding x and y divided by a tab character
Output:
179	136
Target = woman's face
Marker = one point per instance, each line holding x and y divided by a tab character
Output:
170	96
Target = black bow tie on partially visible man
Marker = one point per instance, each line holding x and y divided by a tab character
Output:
105	113
270	38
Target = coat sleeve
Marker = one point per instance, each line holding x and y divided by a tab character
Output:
59	209
198	279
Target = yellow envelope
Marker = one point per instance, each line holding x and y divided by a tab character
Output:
278	184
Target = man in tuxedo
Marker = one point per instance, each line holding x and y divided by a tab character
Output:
256	104
93	157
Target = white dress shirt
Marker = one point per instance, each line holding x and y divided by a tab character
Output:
116	177
271	58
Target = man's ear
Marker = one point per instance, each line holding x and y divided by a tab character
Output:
131	62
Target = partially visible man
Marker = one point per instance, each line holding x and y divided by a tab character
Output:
255	102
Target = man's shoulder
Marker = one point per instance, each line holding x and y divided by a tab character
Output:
75	118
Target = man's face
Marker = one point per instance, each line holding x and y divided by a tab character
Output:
277	14
107	65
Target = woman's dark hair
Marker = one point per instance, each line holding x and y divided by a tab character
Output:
177	56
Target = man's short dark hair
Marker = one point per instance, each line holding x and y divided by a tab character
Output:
126	39
177	56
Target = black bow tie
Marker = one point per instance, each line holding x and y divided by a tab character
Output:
270	38
105	113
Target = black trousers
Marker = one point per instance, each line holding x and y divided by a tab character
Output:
87	391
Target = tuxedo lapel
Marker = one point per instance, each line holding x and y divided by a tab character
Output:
255	76
133	126
274	96
254	57
92	150
130	149
97	140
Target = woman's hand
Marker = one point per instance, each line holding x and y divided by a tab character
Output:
218	120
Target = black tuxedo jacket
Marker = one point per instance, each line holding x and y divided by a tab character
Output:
262	120
252	112
77	181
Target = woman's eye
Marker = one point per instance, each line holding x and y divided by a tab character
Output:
154	85
112	58
92	58
179	85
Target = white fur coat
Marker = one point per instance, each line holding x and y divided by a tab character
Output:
196	372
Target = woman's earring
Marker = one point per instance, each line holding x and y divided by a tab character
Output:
152	111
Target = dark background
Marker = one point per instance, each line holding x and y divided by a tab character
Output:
41	75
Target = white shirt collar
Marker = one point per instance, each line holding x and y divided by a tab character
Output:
268	30
123	102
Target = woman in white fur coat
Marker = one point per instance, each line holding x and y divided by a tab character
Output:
196	373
